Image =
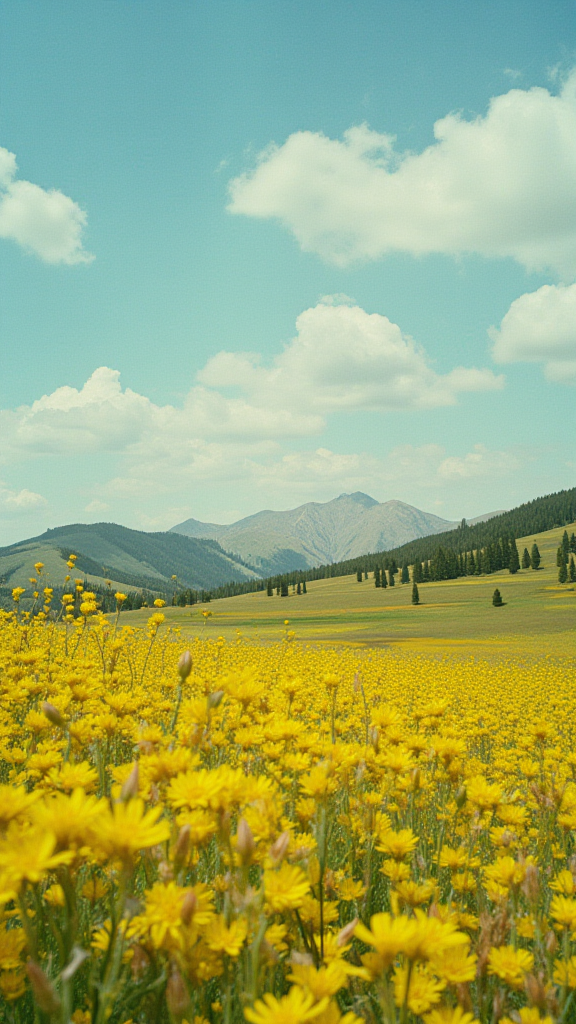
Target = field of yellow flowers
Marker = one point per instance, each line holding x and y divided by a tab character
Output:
277	834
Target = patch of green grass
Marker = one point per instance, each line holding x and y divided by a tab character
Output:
538	617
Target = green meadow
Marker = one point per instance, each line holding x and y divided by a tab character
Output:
538	617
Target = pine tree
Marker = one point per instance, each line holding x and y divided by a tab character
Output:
390	577
304	591
514	561
573	543
471	564
415	594
561	556
417	574
566	544
299	588
269	589
383	580
377	582
283	589
497	599
563	573
535	556
572	570
405	576
526	562
359	575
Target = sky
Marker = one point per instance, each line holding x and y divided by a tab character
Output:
256	254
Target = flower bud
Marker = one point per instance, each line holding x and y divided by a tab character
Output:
214	699
245	845
279	848
346	933
189	905
551	943
52	714
460	797
184	665
182	846
42	989
177	996
130	788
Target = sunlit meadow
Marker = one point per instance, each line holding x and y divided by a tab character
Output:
279	834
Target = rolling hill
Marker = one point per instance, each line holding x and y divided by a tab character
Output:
129	558
319	533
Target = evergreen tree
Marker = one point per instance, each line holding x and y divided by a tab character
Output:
383	580
526	562
513	561
572	570
566	544
426	572
563	573
377	581
278	591
479	566
471	564
415	594
284	589
299	588
269	589
304	591
359	575
573	543
405	577
535	556
561	556
497	599
417	575
390	577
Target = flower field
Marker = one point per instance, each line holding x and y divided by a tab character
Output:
277	834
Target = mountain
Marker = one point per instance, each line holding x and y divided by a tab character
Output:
130	558
319	533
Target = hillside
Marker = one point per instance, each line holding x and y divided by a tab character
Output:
320	533
130	558
455	616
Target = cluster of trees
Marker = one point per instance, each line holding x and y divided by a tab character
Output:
282	588
565	559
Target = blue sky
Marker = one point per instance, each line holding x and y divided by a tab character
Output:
238	223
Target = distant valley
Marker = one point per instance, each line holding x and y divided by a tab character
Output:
203	556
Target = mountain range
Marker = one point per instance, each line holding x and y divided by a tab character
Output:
205	555
319	533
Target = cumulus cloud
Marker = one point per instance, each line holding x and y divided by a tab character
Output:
501	185
540	326
342	359
47	223
479	463
20	501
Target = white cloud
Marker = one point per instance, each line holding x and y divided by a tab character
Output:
501	185
20	501
96	506
479	463
47	223
344	359
540	326
341	360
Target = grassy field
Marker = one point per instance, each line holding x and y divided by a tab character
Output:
539	615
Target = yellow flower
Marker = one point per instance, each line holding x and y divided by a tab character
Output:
398	844
129	827
12	985
456	965
563	910
12	943
450	1015
416	988
285	888
388	935
223	938
563	883
565	972
510	964
295	1008
30	856
14	803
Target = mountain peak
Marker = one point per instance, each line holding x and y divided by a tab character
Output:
360	498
